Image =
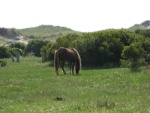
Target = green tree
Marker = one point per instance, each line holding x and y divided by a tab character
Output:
102	48
66	41
146	46
35	46
145	32
134	55
115	48
13	51
47	52
18	45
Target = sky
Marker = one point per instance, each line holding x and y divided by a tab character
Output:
78	15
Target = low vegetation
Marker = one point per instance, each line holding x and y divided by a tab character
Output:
143	26
31	86
45	32
9	33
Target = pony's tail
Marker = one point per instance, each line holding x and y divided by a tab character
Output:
56	62
78	62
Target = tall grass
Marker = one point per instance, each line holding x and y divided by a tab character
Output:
31	86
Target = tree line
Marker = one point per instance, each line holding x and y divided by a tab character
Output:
106	48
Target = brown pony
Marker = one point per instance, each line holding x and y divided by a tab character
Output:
69	55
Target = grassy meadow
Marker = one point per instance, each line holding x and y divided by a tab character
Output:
31	86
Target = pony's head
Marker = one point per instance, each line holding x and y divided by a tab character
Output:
78	61
77	69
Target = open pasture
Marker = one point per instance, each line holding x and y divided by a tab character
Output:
31	86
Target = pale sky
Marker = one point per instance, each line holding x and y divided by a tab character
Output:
79	15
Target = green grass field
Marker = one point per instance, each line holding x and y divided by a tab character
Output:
32	86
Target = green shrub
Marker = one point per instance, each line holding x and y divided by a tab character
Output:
3	62
134	56
4	52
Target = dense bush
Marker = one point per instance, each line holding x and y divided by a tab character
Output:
18	45
47	52
4	52
34	47
3	62
104	48
14	50
145	32
134	55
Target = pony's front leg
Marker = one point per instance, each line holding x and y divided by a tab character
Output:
62	66
72	67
